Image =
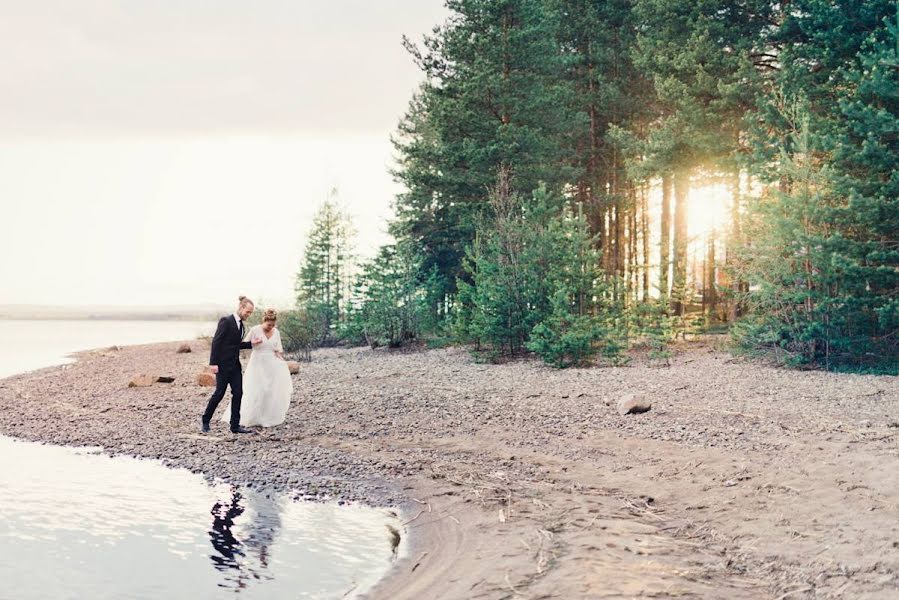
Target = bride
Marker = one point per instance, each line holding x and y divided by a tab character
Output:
267	382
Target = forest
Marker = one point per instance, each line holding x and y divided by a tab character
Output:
583	177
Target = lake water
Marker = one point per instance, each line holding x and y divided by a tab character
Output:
79	524
29	345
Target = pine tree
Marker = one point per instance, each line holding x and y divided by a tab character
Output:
509	265
866	175
326	272
823	254
609	93
492	99
706	60
392	305
535	281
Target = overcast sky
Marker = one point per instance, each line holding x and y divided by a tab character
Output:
173	152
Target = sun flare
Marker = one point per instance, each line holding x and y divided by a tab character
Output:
707	211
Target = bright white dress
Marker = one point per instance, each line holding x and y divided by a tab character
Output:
267	385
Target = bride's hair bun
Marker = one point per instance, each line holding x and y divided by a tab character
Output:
269	315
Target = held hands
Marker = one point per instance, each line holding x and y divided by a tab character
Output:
256	340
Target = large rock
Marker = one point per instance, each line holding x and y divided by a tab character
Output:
184	349
143	380
294	367
633	403
206	379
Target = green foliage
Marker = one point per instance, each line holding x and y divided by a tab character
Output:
492	97
823	263
324	281
392	303
822	256
534	281
595	97
299	332
564	338
299	329
707	60
508	266
653	325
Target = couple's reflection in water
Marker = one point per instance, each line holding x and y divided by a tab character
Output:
243	528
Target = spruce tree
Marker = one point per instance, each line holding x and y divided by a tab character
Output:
492	99
825	259
391	303
326	272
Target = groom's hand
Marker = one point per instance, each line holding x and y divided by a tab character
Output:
214	369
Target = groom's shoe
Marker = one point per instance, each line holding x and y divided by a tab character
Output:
204	426
242	430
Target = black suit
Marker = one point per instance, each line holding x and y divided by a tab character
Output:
226	346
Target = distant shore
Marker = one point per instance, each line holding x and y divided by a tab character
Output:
26	312
102	317
743	481
122	317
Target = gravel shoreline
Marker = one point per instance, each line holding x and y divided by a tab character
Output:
518	480
89	403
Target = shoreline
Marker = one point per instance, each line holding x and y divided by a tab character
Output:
518	479
140	401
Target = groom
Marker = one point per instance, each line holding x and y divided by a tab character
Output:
225	362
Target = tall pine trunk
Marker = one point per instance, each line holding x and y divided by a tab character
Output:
709	293
665	239
621	244
734	241
679	290
632	238
644	232
606	223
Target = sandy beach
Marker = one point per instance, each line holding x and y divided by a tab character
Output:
521	481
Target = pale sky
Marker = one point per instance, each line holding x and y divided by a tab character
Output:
174	151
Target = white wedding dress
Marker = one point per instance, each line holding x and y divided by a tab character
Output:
267	385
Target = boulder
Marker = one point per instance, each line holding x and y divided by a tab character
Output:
633	403
206	379
184	349
143	380
294	367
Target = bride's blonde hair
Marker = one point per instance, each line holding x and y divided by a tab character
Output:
269	315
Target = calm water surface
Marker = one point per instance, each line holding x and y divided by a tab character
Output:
79	524
29	345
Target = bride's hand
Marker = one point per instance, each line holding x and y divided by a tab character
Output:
256	340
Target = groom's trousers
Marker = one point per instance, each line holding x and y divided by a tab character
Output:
225	377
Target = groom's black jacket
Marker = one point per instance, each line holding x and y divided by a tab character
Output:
227	344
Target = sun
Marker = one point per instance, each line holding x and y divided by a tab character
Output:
708	208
